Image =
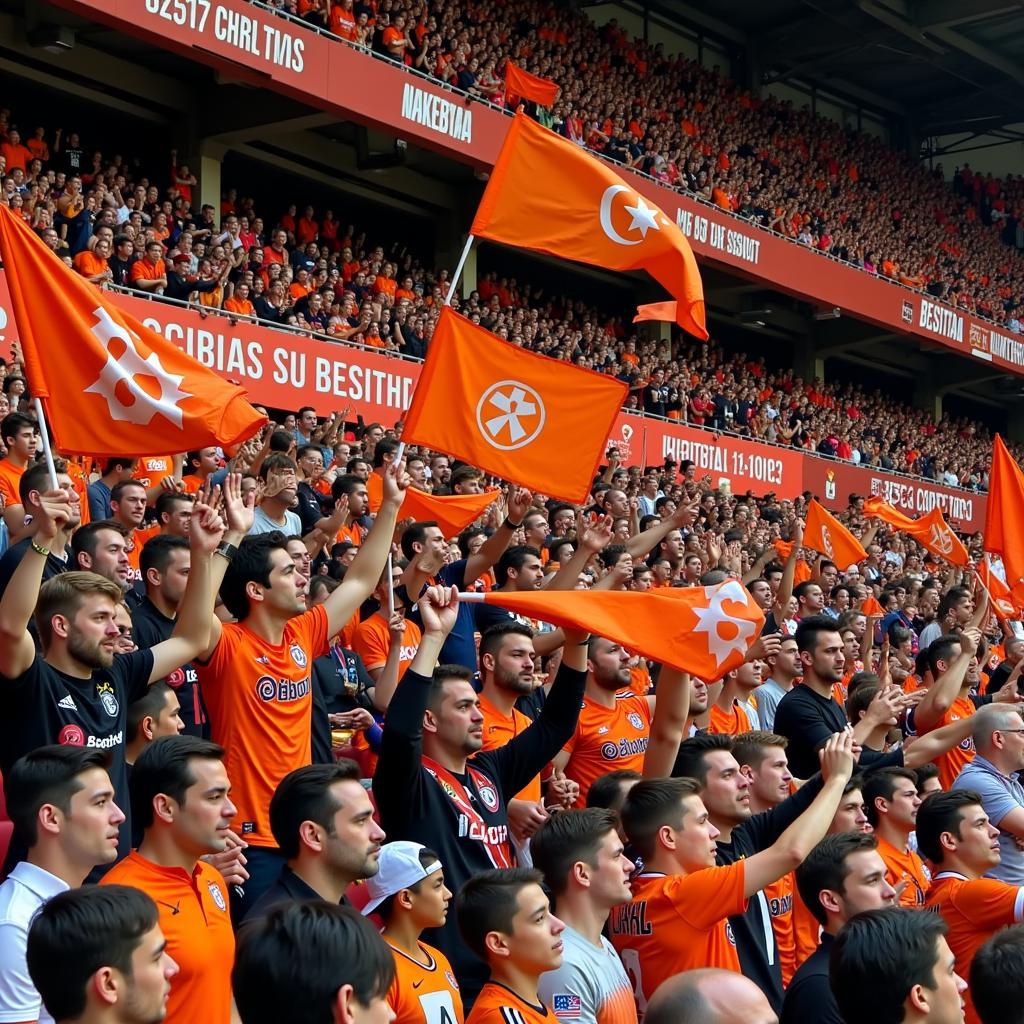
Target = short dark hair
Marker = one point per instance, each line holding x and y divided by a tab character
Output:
488	902
441	675
939	813
825	867
158	551
566	838
940	649
117	462
118	489
415	533
494	636
149	705
997	977
166	501
652	803
514	557
345	485
607	791
46	775
163	767
251	564
305	795
924	774
385	446
878	957
14	421
883	783
78	932
810	628
750	748
324	944
86	538
276	461
37	477
691	760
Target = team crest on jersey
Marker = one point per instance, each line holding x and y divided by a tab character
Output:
105	693
218	896
635	720
298	655
567	1005
450	978
489	797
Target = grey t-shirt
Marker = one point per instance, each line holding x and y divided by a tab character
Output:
262	523
591	985
999	794
766	699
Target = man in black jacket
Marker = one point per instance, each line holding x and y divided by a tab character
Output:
428	789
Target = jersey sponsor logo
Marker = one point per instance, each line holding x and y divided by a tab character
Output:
67	703
494	835
635	720
72	736
284	691
115	739
218	896
298	656
490	798
567	1005
612	751
248	827
779	907
105	694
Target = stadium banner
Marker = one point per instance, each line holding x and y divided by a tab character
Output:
832	483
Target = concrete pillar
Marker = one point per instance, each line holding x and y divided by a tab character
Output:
208	169
807	363
927	394
1015	422
468	283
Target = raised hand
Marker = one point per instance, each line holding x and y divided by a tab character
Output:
438	608
53	515
596	535
519	501
238	511
837	756
206	529
396	483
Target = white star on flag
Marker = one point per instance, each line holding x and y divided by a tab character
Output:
643	217
512	406
712	617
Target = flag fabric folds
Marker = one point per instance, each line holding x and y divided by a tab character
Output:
703	630
548	195
931	531
527	86
663	312
826	534
452	512
1004	535
1002	600
870	606
110	385
540	422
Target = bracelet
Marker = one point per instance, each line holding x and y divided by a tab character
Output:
39	549
510	525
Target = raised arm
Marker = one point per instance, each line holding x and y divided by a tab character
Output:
590	539
671	711
788	574
944	690
681	519
493	548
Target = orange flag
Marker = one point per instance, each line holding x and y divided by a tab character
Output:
528	86
703	630
801	571
1002	600
1004	530
931	530
108	384
870	606
664	312
826	534
452	513
541	422
548	195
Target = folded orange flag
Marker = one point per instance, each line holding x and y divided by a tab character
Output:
931	530
540	422
826	534
663	312
1004	534
801	571
109	384
527	86
452	512
870	606
1002	600
548	195
703	630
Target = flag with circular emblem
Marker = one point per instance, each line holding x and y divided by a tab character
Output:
538	422
824	533
931	531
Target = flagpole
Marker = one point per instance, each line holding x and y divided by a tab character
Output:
45	438
391	582
458	270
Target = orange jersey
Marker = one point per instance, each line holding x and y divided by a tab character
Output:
730	723
608	740
498	1004
372	642
953	761
10	477
974	909
151	469
806	930
905	867
374	491
677	923
424	993
136	543
260	701
780	896
498	730
195	920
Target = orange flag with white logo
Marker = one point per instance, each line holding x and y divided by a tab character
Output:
703	630
548	195
452	512
1002	600
1004	535
931	531
109	384
539	422
826	534
527	86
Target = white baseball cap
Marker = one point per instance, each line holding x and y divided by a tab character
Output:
399	868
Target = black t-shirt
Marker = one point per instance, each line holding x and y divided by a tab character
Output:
44	706
151	627
12	557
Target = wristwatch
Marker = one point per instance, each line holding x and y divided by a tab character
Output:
227	550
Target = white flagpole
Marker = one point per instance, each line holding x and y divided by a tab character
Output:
391	582
45	438
458	270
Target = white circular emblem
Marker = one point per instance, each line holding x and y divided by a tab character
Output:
489	797
510	415
218	896
635	720
298	655
109	702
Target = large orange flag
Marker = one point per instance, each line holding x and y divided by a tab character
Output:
452	513
1002	600
1004	517
931	530
540	422
108	384
826	534
548	195
703	630
528	86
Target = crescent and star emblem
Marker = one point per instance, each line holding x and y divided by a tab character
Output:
644	217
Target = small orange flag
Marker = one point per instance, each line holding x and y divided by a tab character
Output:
663	312
826	534
801	571
1002	600
931	530
1004	528
703	630
528	86
109	384
452	513
548	195
870	606
540	422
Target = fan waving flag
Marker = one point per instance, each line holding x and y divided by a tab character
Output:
703	630
548	195
528	86
931	531
108	384
1004	535
539	422
826	534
